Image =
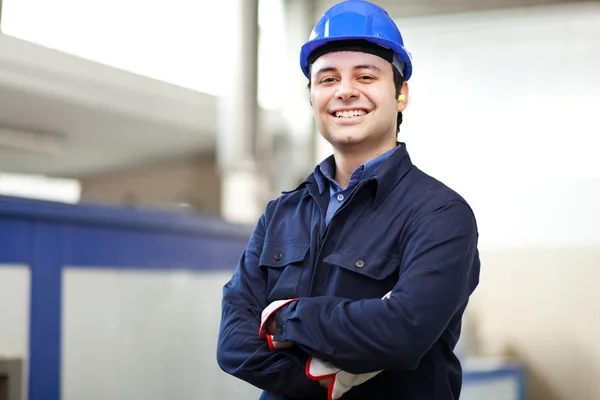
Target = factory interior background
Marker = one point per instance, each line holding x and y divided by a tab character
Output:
140	142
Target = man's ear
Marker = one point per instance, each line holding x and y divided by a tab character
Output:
403	97
308	86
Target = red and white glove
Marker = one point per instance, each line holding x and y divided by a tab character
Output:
341	381
266	315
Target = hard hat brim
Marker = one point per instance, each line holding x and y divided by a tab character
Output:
402	54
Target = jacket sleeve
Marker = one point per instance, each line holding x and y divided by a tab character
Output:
440	268
240	350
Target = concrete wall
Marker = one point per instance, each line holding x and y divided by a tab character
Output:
193	180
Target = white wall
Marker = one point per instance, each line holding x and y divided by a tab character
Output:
144	335
504	109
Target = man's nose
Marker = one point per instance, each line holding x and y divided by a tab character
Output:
346	90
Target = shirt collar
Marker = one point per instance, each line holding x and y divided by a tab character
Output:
324	172
386	177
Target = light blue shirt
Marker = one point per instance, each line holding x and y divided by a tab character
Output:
325	176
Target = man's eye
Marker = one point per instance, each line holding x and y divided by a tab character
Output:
327	80
366	78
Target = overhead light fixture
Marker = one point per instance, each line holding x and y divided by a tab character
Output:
40	187
38	142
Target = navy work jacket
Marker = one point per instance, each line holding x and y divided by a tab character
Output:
400	231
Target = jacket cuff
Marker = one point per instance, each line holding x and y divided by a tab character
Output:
272	312
282	333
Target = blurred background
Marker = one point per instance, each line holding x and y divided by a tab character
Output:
140	141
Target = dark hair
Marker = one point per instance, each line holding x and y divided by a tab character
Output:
398	82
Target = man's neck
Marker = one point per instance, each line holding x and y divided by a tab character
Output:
347	160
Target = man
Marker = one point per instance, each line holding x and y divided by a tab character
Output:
303	315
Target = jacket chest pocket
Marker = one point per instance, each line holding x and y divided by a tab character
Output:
357	274
283	262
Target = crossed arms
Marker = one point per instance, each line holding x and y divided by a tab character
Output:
357	336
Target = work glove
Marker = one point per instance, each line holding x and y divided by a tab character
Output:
342	381
266	315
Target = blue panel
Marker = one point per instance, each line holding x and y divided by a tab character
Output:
119	217
103	247
504	371
44	331
16	238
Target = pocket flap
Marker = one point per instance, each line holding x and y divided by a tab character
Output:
375	266
280	254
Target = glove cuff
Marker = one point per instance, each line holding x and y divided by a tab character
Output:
318	370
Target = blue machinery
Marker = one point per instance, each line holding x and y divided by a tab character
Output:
47	236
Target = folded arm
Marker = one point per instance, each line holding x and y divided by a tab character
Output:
241	352
440	268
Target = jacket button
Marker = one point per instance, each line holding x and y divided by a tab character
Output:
278	256
359	263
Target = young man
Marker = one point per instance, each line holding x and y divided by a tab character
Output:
353	284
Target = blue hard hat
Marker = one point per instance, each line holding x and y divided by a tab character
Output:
357	20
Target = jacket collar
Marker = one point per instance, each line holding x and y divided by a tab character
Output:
390	173
384	179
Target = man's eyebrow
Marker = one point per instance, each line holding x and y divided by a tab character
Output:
356	67
326	69
368	66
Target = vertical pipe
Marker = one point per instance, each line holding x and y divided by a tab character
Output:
299	155
238	117
248	70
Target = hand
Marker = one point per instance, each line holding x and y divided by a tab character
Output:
268	324
271	325
325	382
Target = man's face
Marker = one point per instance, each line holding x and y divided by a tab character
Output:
354	99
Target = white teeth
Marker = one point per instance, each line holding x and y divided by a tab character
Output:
351	113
